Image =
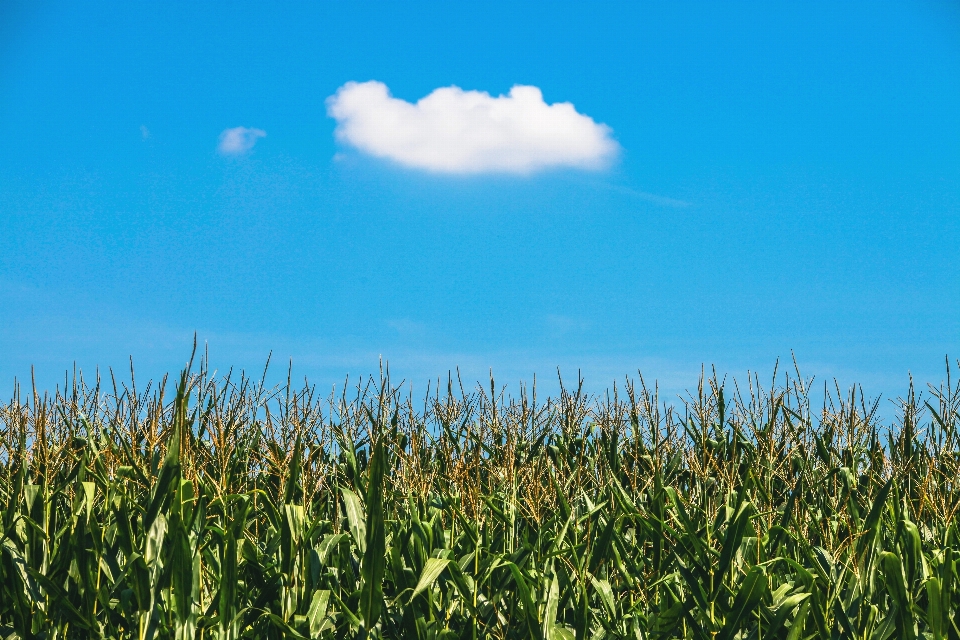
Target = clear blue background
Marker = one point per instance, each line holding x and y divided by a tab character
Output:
813	151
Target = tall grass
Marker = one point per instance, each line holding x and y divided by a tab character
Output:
219	508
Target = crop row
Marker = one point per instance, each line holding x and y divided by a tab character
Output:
224	509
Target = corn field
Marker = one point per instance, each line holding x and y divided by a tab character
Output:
217	507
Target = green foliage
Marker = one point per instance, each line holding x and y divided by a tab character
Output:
236	511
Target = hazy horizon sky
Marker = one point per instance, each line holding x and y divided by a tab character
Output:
703	184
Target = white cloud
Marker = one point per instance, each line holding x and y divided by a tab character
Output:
239	140
457	131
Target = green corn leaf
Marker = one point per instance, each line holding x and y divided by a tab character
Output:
887	626
783	610
526	596
16	558
895	583
872	521
550	612
329	544
155	536
284	628
465	585
733	537
374	555
318	611
894	578
600	550
559	632
89	495
355	518
781	531
351	617
182	561
796	627
751	591
935	618
605	591
946	571
295	517
169	475
292	483
912	552
431	571
697	583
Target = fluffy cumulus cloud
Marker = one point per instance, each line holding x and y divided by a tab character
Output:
457	131
239	140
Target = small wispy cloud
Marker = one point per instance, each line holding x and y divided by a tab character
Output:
144	132
470	132
653	198
239	140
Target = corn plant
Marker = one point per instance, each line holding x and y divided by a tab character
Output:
217	507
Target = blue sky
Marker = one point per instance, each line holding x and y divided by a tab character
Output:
786	178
